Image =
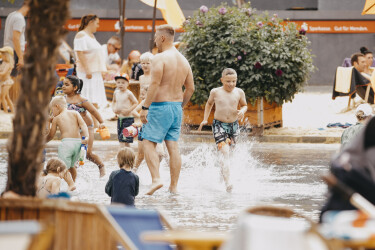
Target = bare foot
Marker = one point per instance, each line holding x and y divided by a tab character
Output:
101	171
229	188
172	190
72	188
154	187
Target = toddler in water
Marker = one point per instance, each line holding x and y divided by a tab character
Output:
123	184
225	125
70	124
50	180
72	89
123	104
6	81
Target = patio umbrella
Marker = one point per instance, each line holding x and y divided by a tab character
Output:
369	8
170	10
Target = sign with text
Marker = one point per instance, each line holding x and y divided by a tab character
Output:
338	26
113	25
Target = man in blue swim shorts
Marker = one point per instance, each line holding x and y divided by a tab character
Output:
162	109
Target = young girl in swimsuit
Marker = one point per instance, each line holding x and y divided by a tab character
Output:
6	81
72	89
50	181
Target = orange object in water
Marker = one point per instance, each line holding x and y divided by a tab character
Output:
104	133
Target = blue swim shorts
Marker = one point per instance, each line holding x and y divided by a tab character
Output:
164	122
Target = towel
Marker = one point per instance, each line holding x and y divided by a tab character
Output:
343	79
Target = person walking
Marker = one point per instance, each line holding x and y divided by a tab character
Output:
90	61
162	109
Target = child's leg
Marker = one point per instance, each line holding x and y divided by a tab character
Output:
73	172
93	157
224	149
2	99
140	156
69	180
96	122
10	103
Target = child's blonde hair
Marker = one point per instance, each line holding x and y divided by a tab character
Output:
58	100
146	57
228	71
7	57
126	156
54	165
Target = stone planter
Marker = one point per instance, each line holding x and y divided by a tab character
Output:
272	116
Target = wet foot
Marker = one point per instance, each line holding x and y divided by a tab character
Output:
229	188
72	188
101	171
154	187
172	190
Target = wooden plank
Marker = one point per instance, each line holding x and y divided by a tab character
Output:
14	213
30	214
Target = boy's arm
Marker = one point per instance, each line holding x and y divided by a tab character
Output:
91	108
243	105
207	110
52	131
108	186
134	101
189	88
55	187
82	125
136	184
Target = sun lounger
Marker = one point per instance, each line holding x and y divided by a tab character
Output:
136	221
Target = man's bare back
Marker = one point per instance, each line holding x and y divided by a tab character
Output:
226	104
173	69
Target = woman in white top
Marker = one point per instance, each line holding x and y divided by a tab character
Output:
90	61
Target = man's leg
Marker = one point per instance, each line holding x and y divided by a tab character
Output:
152	160
174	164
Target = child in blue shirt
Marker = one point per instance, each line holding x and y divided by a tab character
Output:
123	184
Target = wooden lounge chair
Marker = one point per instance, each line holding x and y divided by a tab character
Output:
136	221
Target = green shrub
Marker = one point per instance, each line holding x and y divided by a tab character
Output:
272	58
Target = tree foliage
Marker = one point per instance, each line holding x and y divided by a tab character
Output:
271	57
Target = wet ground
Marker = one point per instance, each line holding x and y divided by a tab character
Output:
262	174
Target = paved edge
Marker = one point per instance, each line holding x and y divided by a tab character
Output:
206	136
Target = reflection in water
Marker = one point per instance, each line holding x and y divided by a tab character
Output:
262	173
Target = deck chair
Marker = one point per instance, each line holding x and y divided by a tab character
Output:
136	221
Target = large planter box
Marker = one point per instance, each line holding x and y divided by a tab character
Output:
272	115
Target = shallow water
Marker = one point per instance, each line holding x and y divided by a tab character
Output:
262	174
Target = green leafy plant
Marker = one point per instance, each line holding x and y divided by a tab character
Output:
271	57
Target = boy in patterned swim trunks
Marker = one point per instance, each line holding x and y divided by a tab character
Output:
123	104
225	125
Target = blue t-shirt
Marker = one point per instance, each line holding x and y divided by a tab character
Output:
122	186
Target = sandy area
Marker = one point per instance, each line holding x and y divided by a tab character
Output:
308	114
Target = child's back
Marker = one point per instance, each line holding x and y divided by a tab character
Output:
68	123
46	185
124	187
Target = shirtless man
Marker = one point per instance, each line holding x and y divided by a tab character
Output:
162	109
70	124
225	125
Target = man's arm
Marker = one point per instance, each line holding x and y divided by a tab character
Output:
52	131
243	105
189	88
207	110
17	47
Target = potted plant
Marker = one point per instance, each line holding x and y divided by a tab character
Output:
271	57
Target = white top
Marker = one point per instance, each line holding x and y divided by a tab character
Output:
92	51
15	21
111	58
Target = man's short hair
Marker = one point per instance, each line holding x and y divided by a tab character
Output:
228	71
168	29
114	39
355	57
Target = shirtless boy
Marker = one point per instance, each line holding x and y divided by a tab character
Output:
70	124
225	125
123	104
145	79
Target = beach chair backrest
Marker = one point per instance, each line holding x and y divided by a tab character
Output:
136	221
